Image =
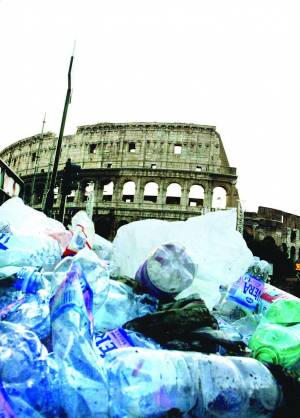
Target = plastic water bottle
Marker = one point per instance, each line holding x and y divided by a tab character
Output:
109	341
30	280
27	250
83	380
283	311
239	306
276	344
271	294
28	376
121	305
167	272
147	383
31	308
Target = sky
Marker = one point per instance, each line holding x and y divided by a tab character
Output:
234	64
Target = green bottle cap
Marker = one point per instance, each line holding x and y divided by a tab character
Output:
267	354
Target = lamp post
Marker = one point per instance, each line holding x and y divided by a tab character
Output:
50	194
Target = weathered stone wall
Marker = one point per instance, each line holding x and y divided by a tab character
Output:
163	153
283	227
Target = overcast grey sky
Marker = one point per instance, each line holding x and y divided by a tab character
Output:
230	63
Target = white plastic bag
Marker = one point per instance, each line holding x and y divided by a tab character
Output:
220	252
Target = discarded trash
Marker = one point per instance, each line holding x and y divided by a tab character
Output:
167	272
147	383
114	348
276	344
219	251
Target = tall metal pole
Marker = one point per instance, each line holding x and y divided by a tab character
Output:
50	195
37	161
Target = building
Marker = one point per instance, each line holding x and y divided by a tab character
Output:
283	227
135	171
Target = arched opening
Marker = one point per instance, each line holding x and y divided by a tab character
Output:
71	196
196	195
293	236
104	225
128	192
173	194
293	253
219	199
86	188
39	191
108	190
151	192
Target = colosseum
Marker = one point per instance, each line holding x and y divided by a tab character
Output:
133	170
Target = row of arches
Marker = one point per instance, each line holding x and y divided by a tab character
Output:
173	194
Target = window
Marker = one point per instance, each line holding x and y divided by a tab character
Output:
153	166
108	190
33	157
177	149
109	165
198	168
131	147
92	148
128	192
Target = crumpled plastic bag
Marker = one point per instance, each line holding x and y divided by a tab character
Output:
23	220
83	233
220	252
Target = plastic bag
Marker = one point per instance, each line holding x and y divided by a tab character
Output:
220	252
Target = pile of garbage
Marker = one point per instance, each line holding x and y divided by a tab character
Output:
171	319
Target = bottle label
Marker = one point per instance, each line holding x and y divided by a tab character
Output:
4	238
270	294
247	291
67	295
112	340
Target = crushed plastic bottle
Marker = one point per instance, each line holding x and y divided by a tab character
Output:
283	311
239	305
269	295
31	307
167	272
83	380
276	344
28	376
29	250
147	383
120	338
121	305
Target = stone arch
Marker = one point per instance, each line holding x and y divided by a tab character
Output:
103	226
293	235
151	192
173	194
196	195
128	191
108	191
85	188
38	192
219	198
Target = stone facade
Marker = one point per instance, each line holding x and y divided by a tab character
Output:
283	227
155	170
